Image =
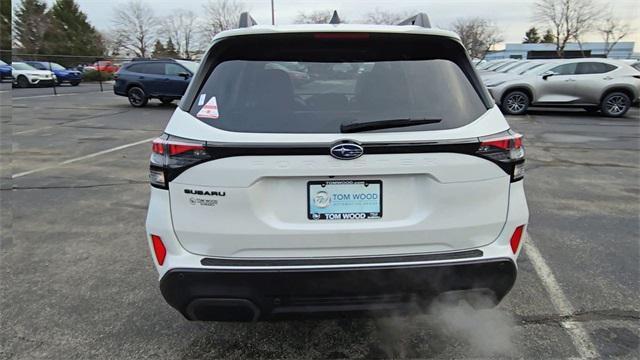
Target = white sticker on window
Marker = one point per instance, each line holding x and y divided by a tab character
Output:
209	110
203	97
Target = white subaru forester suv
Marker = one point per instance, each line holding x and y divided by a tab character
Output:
330	168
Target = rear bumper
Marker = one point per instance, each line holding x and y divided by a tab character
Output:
248	295
39	82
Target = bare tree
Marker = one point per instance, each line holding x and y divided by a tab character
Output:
221	15
569	19
134	27
612	31
385	17
182	28
478	35
314	17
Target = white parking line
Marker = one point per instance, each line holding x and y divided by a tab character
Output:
31	130
29	172
41	96
578	334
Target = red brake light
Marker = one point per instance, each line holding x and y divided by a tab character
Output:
159	146
505	150
515	238
178	148
506	143
158	248
341	36
171	156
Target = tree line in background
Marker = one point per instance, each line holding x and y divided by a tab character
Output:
61	29
572	20
136	31
5	30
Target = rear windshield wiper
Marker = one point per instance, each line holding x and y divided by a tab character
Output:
385	124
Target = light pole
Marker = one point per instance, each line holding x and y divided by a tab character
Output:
273	14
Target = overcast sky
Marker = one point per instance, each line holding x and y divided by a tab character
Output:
513	17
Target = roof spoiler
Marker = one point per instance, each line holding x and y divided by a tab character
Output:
246	20
419	19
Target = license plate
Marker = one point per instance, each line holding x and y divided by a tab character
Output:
344	200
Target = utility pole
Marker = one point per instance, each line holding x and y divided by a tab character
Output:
273	14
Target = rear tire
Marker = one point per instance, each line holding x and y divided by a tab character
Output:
615	104
515	103
23	82
137	97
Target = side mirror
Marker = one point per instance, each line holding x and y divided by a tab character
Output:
547	74
185	75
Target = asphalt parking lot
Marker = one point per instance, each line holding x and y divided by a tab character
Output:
77	281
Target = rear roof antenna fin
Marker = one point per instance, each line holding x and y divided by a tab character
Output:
419	19
335	19
246	20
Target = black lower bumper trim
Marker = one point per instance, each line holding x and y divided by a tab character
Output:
208	294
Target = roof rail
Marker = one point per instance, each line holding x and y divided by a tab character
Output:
419	19
246	20
335	19
153	59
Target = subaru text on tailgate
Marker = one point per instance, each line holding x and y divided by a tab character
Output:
387	179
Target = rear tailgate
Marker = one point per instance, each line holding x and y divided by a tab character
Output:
248	207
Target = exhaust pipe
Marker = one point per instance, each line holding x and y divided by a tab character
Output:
205	309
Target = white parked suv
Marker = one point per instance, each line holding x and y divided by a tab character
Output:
25	75
387	179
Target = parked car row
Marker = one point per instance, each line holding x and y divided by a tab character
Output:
25	75
607	86
45	73
38	73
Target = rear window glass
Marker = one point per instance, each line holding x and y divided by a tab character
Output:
593	68
328	87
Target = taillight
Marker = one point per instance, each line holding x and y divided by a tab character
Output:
506	150
170	156
158	249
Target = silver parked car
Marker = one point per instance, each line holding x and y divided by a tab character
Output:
609	86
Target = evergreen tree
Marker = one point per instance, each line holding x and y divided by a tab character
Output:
159	50
171	50
5	30
70	33
548	37
531	36
29	25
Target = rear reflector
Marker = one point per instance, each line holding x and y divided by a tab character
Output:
158	248
515	238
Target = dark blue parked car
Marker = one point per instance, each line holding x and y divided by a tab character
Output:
72	77
144	79
5	70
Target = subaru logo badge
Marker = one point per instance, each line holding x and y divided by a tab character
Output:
347	151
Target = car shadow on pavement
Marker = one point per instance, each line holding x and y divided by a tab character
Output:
580	113
454	330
